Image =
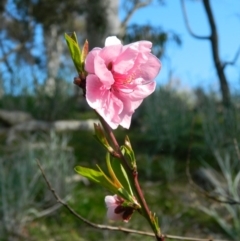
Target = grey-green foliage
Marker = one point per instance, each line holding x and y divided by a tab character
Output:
24	195
166	120
226	187
221	125
167	167
221	128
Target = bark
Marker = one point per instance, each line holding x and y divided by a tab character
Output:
102	21
214	41
54	50
215	53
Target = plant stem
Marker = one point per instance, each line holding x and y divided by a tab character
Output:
133	174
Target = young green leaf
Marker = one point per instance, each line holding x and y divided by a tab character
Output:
121	174
130	156
74	51
125	195
112	172
96	176
100	136
74	37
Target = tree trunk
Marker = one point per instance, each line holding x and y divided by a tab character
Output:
54	51
102	21
215	53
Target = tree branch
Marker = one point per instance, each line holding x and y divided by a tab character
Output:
16	49
138	4
188	25
112	228
213	38
234	59
94	225
215	53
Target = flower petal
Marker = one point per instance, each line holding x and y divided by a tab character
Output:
94	91
120	78
89	62
110	201
126	121
112	40
151	68
141	91
102	72
110	109
112	204
103	101
110	53
144	47
126	60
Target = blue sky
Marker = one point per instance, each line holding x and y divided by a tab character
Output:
192	62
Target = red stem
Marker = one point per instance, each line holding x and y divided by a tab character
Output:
134	180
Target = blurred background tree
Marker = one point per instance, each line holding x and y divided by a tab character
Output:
36	76
33	51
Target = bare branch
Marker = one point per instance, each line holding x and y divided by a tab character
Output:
129	14
213	38
112	228
191	239
16	49
215	53
234	59
94	225
188	25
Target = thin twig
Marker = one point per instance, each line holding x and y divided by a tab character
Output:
94	225
131	11
188	25
112	228
233	62
14	50
191	238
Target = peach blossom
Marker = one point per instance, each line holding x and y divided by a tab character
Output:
119	78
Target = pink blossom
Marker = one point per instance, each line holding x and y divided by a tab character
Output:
115	209
119	78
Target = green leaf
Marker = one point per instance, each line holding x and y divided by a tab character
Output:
74	50
100	136
122	192
74	37
129	201
112	172
96	176
121	174
129	154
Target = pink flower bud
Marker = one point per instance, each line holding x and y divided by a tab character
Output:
115	209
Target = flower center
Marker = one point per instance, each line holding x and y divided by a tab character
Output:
122	82
110	66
